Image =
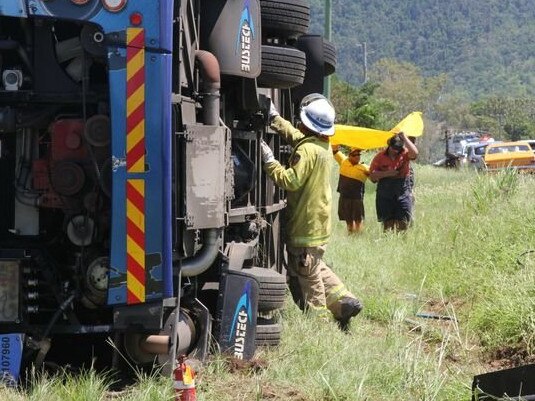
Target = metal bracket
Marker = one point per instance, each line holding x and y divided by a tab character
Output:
189	220
186	135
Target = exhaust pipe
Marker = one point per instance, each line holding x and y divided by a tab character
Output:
155	344
211	77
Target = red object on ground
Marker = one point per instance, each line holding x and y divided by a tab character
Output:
184	384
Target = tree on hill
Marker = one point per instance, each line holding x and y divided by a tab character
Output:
358	105
510	118
484	46
404	86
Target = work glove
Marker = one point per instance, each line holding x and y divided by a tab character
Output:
272	111
267	153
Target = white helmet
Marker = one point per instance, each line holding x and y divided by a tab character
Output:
317	114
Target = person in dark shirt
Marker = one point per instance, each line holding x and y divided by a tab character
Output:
390	169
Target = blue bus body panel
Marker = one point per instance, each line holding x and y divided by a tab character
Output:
11	357
157	176
13	8
167	173
157	179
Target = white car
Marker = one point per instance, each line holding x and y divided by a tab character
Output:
474	154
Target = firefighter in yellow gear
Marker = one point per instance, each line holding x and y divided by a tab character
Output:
314	286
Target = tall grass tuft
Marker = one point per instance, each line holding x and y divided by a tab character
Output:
489	189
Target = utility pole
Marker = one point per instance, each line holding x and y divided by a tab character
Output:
327	35
365	74
365	61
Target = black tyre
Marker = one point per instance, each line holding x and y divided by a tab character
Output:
282	67
285	18
329	57
268	335
272	288
271	298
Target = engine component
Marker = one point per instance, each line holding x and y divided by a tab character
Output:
71	53
66	138
12	79
96	282
26	219
92	39
68	178
80	230
97	130
7	119
68	49
40	179
93	202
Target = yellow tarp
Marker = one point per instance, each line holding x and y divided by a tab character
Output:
368	138
412	125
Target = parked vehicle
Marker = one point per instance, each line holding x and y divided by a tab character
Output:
517	155
531	144
456	142
464	149
134	206
474	153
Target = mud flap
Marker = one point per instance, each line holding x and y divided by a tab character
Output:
515	383
236	314
10	358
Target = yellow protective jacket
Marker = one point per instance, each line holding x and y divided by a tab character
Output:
307	180
352	177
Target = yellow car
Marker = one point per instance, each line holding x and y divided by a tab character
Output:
518	155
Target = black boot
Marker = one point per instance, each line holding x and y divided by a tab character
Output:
349	307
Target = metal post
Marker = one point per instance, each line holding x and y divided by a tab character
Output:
365	61
327	35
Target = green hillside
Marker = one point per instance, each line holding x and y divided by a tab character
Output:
485	47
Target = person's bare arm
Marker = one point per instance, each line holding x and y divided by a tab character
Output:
379	175
411	147
335	148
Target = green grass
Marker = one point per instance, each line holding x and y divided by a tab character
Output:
467	257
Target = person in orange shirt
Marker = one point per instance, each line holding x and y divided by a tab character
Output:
353	175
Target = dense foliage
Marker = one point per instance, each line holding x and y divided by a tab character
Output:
484	47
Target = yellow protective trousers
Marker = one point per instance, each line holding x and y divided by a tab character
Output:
321	289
